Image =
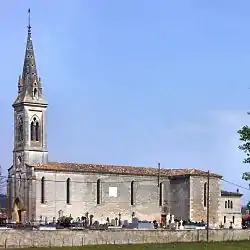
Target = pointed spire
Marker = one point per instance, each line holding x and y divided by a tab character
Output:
29	83
29	67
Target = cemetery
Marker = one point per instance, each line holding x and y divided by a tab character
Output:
88	222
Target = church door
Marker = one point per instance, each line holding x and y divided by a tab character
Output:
163	219
17	211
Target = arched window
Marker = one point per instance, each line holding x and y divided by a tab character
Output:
160	193
225	204
205	194
98	192
43	190
132	198
68	191
37	131
34	130
231	204
20	129
228	204
35	92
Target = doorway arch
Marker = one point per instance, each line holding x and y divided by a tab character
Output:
18	210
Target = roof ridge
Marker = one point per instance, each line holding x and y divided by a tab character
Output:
120	169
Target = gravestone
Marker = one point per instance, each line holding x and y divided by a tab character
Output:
113	222
181	225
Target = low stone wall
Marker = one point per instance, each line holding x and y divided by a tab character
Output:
19	238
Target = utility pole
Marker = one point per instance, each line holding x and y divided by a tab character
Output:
159	171
208	187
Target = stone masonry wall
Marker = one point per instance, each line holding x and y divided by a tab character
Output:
180	197
198	211
83	196
16	239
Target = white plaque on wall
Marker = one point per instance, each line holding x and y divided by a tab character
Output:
112	191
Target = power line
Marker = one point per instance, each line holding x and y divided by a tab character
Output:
236	185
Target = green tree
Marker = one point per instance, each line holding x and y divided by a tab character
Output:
244	133
245	209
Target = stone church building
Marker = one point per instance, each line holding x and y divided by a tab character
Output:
39	189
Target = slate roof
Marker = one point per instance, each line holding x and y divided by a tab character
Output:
226	193
120	169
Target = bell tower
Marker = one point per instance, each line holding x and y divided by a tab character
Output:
30	145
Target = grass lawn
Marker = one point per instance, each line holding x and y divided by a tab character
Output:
233	245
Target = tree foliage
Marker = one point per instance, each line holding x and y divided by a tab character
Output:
244	134
245	209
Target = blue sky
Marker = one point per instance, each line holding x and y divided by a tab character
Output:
135	82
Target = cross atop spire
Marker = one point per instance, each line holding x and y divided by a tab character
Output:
29	27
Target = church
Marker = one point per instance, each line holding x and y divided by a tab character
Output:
40	190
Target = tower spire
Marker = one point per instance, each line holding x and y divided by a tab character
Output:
29	83
29	67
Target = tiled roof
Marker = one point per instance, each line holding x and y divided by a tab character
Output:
124	170
226	193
